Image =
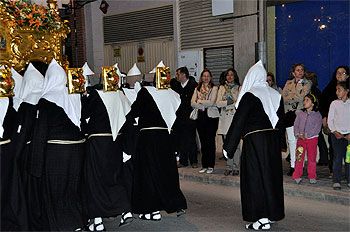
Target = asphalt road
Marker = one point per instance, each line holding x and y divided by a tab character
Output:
218	208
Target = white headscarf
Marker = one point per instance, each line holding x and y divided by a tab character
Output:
55	90
167	101
18	83
4	103
255	83
118	107
32	86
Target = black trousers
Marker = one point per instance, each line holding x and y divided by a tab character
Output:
207	128
187	142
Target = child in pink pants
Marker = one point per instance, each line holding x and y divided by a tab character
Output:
307	126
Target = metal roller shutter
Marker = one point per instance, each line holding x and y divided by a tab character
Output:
218	60
199	29
138	25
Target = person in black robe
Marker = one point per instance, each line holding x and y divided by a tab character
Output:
259	120
184	127
58	153
13	205
29	95
156	182
105	185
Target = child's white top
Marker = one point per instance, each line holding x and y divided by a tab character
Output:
339	116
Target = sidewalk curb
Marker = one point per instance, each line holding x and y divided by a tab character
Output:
291	190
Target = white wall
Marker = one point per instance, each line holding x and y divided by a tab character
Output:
94	26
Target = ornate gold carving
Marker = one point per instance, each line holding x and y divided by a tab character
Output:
163	78
75	80
7	84
20	44
110	78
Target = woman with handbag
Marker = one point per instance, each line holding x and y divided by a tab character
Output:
204	99
293	95
227	97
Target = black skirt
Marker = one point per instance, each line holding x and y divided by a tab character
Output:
156	180
261	177
104	182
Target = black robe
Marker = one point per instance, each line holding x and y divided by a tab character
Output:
32	185
261	162
60	167
156	181
13	204
105	185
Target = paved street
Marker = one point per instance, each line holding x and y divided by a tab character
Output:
217	208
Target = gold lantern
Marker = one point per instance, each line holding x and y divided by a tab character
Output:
163	78
75	80
110	78
7	84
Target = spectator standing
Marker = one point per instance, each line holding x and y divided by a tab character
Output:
293	94
227	97
204	99
341	73
185	128
307	126
339	125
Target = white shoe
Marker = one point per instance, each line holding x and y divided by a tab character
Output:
203	170
210	170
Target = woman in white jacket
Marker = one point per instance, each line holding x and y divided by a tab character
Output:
227	97
204	99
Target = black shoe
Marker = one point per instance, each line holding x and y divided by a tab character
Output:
290	173
288	158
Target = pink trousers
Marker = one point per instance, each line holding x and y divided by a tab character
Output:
309	145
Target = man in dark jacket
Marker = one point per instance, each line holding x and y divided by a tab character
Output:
185	128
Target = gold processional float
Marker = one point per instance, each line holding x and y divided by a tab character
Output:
30	32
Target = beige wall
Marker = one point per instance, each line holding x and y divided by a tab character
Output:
245	36
155	51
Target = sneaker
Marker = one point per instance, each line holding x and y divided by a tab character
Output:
210	170
331	175
298	181
313	181
290	172
336	186
348	185
203	170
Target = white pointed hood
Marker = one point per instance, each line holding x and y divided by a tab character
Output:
32	86
161	64
55	90
18	83
118	107
255	83
134	71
